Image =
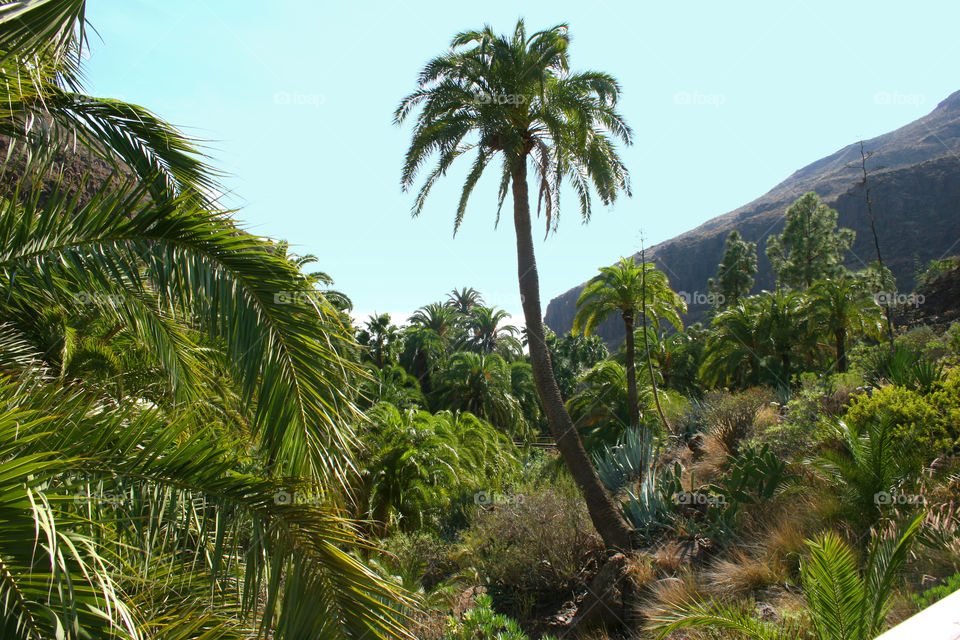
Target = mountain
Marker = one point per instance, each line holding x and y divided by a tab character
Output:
914	178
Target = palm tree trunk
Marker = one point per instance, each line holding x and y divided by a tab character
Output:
841	341
633	413
606	518
646	340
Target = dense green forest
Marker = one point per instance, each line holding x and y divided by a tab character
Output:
199	441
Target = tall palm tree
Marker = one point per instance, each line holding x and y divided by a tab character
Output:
514	96
488	335
437	317
464	300
630	290
840	306
482	385
381	336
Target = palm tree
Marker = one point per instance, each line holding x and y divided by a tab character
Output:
482	385
731	355
438	318
423	353
192	378
381	337
487	335
415	462
755	340
514	96
631	290
839	306
464	300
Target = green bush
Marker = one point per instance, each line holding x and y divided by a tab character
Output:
937	593
482	623
533	541
929	422
732	416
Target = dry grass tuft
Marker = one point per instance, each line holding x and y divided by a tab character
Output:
742	573
667	593
714	462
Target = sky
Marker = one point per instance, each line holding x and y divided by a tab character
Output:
294	102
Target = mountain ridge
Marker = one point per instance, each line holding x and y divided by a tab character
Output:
914	174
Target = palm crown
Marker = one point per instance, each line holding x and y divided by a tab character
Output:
516	97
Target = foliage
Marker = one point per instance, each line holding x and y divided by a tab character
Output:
116	518
629	460
731	417
934	269
735	273
926	423
935	594
902	367
811	247
842	307
870	469
483	385
571	355
415	462
175	381
757	341
532	540
487	335
481	623
846	602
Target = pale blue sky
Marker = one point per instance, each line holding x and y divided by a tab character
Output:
726	99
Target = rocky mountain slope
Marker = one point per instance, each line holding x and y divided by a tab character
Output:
914	177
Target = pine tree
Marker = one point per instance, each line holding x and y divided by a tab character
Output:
736	271
811	247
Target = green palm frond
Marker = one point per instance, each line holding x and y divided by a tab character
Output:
118	247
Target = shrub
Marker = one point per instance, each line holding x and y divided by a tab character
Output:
482	623
937	593
904	367
733	416
536	542
928	422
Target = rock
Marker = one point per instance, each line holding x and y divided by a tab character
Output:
603	604
697	445
766	612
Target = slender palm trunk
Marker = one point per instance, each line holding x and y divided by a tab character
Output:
605	516
633	413
646	339
876	244
840	337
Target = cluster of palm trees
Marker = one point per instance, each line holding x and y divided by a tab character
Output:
164	376
772	336
458	355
